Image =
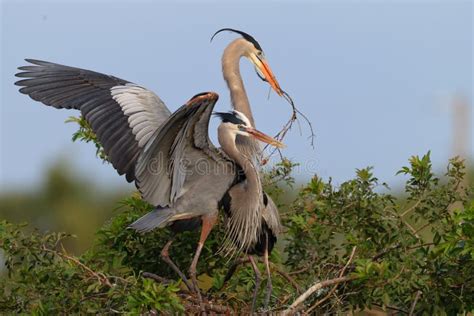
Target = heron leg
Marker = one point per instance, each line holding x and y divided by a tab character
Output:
269	275
258	278
208	221
166	258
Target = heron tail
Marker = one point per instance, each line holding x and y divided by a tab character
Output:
157	218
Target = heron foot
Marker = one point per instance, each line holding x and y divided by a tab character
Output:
208	221
258	279
268	292
192	275
269	275
166	258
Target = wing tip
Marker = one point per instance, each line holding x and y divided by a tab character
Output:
37	62
203	96
33	67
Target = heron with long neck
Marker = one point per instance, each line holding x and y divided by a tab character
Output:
269	220
203	194
148	144
245	47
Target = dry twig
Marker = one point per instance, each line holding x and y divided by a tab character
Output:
304	269
287	277
288	125
313	289
411	208
98	275
417	297
209	306
157	278
335	286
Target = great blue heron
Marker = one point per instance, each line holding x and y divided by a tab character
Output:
129	120
247	47
270	222
235	186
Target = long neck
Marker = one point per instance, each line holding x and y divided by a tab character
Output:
246	210
231	71
227	143
238	96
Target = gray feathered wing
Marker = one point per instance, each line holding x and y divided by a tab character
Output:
272	217
169	164
122	114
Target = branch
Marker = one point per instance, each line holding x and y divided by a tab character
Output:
421	245
208	306
315	288
100	276
412	207
287	277
391	307
412	309
335	286
397	245
304	269
421	228
294	118
414	232
154	277
384	252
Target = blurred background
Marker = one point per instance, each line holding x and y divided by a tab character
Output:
380	81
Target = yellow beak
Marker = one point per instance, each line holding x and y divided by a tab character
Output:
264	137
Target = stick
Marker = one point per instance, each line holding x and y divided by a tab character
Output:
412	309
335	286
98	275
287	277
315	288
211	307
294	118
411	208
154	277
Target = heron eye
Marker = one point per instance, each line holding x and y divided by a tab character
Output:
241	127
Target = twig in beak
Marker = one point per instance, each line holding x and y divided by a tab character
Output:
294	118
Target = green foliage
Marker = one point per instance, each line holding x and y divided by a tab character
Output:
402	247
85	134
43	279
414	252
141	252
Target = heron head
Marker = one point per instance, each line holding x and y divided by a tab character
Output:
254	52
238	124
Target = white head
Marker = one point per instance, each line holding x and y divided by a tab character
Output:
236	123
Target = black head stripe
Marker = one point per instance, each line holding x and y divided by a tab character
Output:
229	117
244	35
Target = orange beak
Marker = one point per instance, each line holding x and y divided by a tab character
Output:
267	73
270	77
264	137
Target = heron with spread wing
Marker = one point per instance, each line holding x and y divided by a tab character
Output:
224	169
152	147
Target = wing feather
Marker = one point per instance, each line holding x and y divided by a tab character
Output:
122	114
162	168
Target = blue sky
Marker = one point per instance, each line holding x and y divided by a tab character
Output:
375	78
